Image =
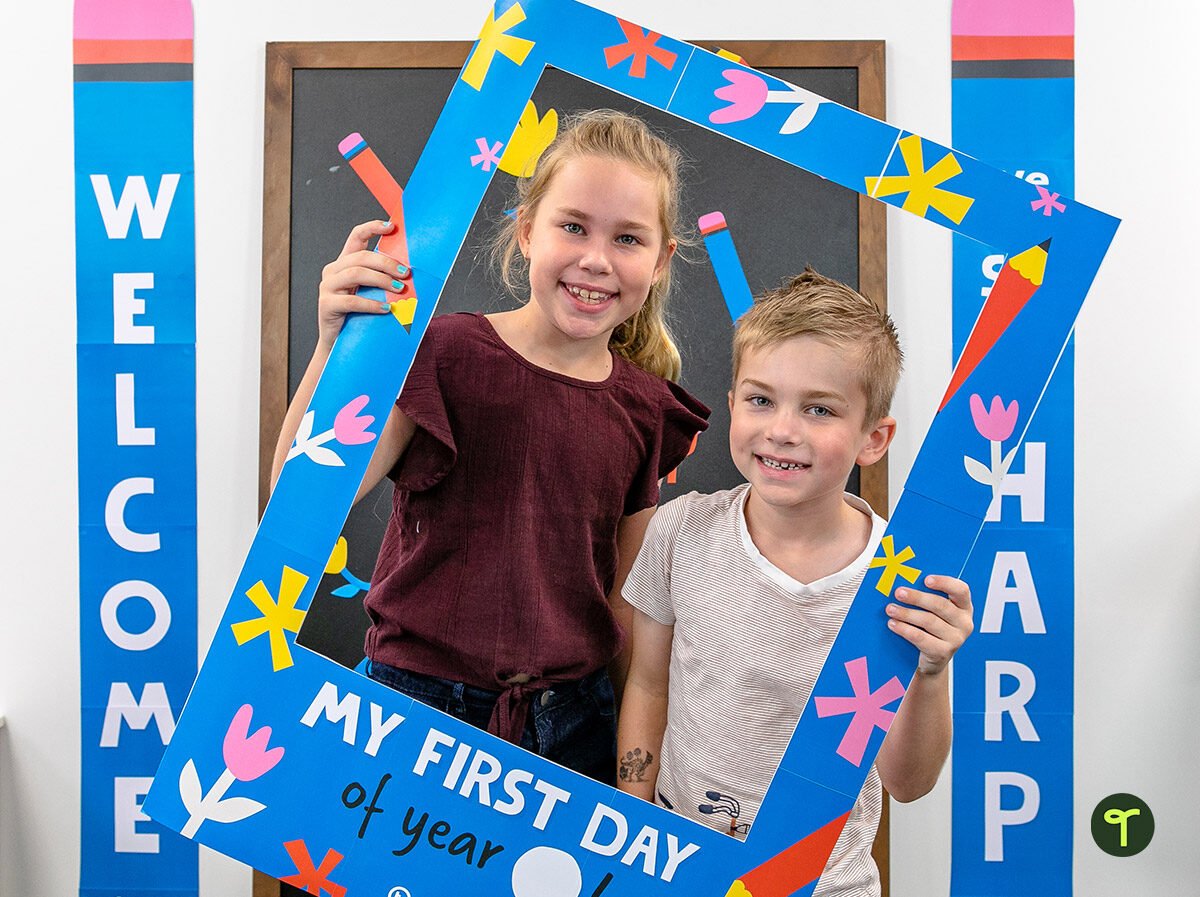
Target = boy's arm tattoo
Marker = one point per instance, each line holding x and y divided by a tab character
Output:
633	765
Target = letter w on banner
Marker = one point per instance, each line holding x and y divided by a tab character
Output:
136	301
1013	107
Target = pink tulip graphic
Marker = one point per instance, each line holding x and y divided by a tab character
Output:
995	425
246	758
747	93
349	428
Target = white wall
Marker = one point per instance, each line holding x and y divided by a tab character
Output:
1138	557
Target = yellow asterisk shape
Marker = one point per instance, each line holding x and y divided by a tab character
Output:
277	618
529	141
493	39
737	889
893	565
922	186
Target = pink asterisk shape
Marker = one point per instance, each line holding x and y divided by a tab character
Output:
1048	204
867	707
486	157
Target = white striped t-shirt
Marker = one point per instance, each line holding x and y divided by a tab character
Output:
749	641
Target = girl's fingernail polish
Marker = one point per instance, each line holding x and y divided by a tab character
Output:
386	306
397	286
403	269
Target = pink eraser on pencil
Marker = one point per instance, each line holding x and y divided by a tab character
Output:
711	222
350	143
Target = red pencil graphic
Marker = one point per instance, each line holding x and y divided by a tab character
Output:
390	195
1019	279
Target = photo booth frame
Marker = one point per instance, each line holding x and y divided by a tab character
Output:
308	84
334	783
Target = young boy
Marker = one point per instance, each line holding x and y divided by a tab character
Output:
739	595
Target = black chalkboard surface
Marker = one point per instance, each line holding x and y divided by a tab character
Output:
781	220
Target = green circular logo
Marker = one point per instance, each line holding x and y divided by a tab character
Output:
1122	825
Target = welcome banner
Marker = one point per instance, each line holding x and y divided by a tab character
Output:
135	295
1013	107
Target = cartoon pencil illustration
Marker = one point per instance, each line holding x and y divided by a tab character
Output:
389	194
1019	279
797	866
726	264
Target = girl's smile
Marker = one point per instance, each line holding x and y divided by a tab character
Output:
595	246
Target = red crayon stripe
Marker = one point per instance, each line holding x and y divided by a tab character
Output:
109	52
799	865
979	47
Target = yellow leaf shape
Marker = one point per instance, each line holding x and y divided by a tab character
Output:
737	889
530	139
337	558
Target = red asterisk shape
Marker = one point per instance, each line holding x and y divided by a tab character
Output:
309	878
639	45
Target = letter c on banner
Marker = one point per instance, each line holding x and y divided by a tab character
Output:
118	635
114	515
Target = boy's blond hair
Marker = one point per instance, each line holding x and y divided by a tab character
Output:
645	339
812	305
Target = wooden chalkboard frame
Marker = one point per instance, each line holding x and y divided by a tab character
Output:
284	59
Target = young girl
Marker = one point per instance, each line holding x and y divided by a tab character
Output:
526	449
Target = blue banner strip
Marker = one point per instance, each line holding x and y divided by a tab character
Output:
135	296
1013	708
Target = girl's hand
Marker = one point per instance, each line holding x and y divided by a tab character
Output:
357	267
934	624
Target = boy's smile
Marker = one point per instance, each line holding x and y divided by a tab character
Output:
796	426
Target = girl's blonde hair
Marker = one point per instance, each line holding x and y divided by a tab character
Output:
644	339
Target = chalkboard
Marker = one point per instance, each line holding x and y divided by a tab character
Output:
781	219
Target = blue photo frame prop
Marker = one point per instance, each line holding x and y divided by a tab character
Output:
320	777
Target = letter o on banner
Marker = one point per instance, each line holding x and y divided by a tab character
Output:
117	634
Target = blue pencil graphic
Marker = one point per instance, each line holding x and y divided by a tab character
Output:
726	264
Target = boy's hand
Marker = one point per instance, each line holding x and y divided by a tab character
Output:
935	625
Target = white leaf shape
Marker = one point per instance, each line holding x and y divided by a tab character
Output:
304	431
1007	462
189	788
234	809
800	118
978	471
324	456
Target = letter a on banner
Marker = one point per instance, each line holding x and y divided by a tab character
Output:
136	304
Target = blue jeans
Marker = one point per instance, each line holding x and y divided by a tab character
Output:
574	723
